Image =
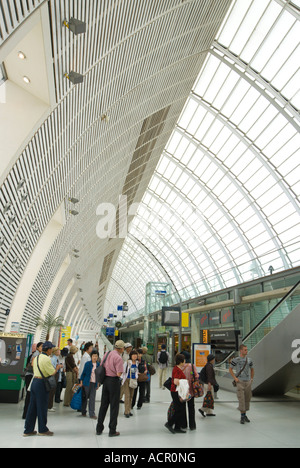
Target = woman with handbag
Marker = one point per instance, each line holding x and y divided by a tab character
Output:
196	391
178	416
130	381
209	383
143	377
38	407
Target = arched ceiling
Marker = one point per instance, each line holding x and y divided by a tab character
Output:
215	170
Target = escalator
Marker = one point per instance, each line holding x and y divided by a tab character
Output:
274	347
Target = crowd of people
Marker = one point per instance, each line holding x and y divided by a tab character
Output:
126	380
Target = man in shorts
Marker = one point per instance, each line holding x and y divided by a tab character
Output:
242	371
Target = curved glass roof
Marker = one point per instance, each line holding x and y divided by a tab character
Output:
223	204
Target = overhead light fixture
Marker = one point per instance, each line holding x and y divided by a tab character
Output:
24	197
76	26
74	212
21	55
7	208
21	184
26	79
74	200
11	220
104	118
74	77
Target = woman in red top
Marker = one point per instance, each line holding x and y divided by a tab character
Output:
179	416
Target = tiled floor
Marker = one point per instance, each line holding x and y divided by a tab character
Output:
274	423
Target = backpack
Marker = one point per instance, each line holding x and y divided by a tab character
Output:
163	358
100	371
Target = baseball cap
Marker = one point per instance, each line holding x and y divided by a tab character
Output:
48	345
119	344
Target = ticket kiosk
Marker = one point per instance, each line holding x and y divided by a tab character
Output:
14	350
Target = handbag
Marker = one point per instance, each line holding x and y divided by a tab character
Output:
208	401
133	383
241	371
197	387
168	383
171	411
100	371
76	401
143	377
50	382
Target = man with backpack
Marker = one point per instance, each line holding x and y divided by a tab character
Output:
163	358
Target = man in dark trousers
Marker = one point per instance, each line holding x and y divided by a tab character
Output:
111	389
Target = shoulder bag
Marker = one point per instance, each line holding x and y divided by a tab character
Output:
50	382
133	383
197	386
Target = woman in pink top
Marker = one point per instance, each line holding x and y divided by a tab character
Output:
191	374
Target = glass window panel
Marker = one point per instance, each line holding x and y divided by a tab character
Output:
196	158
289	148
264	25
206	75
290	67
235	155
173	142
214	130
217	82
277	124
280	56
283	137
244	106
280	200
262	121
215	179
200	115
228	85
204	127
251	167
188	113
230	28
291	222
233	101
249	24
272	42
263	193
292	87
293	178
179	151
228	147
